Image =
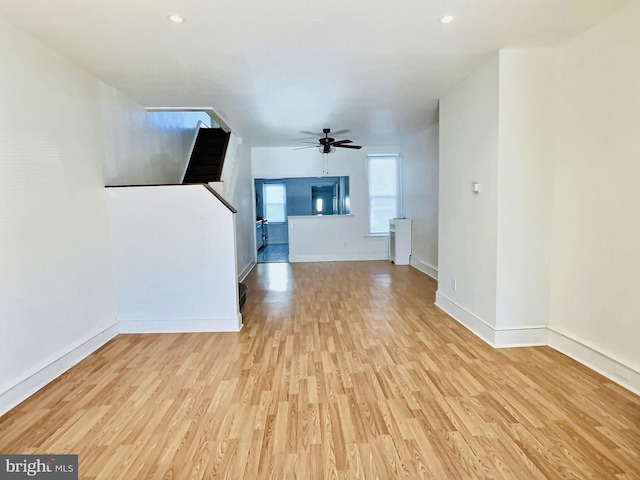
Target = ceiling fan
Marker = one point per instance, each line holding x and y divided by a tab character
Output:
327	144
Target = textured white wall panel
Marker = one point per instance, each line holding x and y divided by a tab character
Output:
56	285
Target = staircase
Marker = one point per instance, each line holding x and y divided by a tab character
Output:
206	166
207	156
242	293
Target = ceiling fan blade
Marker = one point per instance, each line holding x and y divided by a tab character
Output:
310	146
339	142
313	133
357	147
340	132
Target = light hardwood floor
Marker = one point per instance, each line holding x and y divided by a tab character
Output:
343	370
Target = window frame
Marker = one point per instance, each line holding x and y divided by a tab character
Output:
266	204
398	191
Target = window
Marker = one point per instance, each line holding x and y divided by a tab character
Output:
384	192
275	202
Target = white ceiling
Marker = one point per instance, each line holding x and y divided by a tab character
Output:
273	69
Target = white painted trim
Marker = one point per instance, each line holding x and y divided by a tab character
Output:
232	324
463	316
625	375
346	257
222	122
524	336
581	351
424	267
247	270
33	382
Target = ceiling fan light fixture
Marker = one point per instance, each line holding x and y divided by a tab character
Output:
326	149
446	18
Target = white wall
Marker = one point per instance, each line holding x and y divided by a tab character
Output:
596	229
467	229
243	201
420	197
348	237
332	238
567	207
56	288
528	125
174	260
63	135
149	147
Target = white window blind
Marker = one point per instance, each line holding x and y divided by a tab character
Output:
384	191
275	202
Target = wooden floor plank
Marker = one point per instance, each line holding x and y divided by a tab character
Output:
342	371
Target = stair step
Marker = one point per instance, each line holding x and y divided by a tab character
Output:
206	169
201	179
242	291
205	164
210	159
211	140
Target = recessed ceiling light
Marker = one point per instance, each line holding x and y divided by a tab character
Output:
448	18
175	18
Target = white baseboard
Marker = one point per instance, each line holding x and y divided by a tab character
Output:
590	356
26	387
344	257
231	324
424	267
523	336
538	335
52	370
478	326
246	270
